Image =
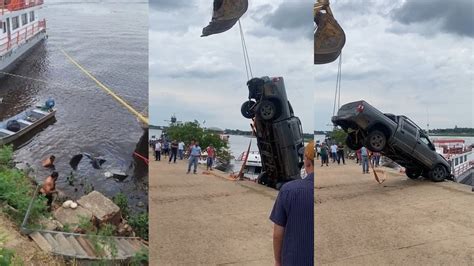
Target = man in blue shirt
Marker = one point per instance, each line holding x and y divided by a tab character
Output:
365	160
194	155
293	218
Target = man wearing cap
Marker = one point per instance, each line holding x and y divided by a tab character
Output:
293	218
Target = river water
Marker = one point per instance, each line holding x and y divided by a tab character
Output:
110	40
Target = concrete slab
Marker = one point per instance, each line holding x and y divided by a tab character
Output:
400	222
206	219
71	217
101	207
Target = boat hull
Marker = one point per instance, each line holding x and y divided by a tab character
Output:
22	132
9	60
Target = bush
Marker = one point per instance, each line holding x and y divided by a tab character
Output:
16	190
122	201
139	223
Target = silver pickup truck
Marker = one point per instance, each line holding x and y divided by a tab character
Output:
395	136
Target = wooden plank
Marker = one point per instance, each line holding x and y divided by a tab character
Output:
121	253
41	242
86	246
54	244
127	245
127	253
80	252
65	248
137	244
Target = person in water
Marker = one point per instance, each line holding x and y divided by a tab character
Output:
293	217
49	188
49	163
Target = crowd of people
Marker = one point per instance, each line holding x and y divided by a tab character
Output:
336	152
172	150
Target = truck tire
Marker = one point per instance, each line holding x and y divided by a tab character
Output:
267	110
413	173
376	141
352	144
246	110
438	174
262	178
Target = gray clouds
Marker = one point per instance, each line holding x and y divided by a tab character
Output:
455	17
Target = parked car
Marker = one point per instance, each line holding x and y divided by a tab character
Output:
395	136
279	133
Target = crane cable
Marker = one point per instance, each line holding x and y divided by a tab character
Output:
337	93
248	67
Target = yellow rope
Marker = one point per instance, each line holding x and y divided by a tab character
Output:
109	91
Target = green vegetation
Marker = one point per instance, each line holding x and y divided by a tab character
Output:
122	201
139	223
7	256
16	190
192	130
338	136
140	258
456	131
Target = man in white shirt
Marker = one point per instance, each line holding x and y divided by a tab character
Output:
181	150
158	151
334	152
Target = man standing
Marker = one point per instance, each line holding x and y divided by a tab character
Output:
211	154
293	218
158	151
334	152
181	150
364	154
49	188
194	155
324	155
174	151
166	148
340	153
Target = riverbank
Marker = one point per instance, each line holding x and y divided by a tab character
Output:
208	219
401	221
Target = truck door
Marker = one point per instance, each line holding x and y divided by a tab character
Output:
406	137
424	151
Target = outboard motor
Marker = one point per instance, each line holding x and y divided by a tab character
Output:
50	103
329	38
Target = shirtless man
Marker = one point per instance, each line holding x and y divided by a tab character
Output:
49	188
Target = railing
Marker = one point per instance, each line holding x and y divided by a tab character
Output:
15	5
462	168
23	228
21	36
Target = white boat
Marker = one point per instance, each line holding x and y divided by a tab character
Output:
253	166
21	28
27	121
459	155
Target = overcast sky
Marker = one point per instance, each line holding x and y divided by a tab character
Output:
411	57
204	78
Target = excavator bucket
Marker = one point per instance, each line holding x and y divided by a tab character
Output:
329	38
226	13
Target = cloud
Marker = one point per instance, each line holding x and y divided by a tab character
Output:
170	5
453	17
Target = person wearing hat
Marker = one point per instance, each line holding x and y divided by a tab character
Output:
293	217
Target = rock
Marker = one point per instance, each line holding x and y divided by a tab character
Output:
140	204
50	224
71	217
101	207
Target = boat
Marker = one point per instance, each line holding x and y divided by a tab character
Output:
21	29
460	156
25	122
253	167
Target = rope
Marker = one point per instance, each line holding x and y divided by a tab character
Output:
337	93
109	91
248	66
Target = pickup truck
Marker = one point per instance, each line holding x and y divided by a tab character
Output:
395	136
279	133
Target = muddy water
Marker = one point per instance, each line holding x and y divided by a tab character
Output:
111	41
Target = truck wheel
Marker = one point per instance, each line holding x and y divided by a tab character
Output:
413	173
267	110
262	178
376	141
438	173
246	110
352	144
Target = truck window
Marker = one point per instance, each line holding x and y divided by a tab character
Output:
409	128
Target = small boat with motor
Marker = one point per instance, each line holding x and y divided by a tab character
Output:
253	166
14	127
